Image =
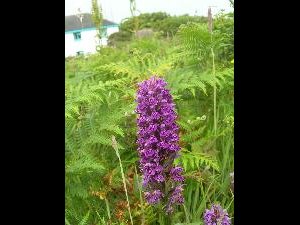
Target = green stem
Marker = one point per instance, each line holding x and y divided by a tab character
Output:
160	219
168	220
141	197
107	208
210	24
187	220
163	219
115	147
215	91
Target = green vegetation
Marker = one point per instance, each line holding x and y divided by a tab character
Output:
162	23
97	18
99	105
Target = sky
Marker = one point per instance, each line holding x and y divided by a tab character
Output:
116	10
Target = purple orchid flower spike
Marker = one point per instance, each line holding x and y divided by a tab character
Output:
158	144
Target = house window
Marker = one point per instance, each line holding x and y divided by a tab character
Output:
79	53
77	36
104	32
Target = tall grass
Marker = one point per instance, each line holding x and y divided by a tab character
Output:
115	146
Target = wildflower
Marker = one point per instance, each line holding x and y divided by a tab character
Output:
158	143
216	216
176	174
176	198
154	196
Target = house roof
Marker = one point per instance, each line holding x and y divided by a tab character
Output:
73	22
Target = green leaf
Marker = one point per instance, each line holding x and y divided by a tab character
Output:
84	219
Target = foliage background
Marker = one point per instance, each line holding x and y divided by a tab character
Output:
99	103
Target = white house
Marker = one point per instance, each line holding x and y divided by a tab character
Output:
80	34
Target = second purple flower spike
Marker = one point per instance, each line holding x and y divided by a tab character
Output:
216	216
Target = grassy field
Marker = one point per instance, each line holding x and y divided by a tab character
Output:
100	97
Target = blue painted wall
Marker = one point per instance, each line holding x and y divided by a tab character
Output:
88	29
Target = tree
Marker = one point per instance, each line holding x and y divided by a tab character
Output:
97	18
133	11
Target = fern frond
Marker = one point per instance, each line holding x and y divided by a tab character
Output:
84	163
193	161
67	221
194	135
77	190
85	219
